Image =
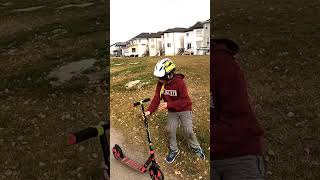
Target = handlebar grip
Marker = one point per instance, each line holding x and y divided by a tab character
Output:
82	135
138	103
146	100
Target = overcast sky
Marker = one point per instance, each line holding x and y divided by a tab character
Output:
129	18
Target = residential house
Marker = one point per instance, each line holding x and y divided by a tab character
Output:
155	42
138	46
197	38
193	38
162	52
117	49
174	41
206	34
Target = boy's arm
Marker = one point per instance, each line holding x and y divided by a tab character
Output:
184	99
232	89
156	99
231	99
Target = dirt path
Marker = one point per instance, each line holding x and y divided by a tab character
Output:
118	170
122	172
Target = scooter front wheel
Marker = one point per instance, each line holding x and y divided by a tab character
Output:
155	173
117	152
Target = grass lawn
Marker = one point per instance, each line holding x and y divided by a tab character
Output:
35	118
280	55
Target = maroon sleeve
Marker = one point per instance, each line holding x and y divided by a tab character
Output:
232	105
184	99
156	99
232	89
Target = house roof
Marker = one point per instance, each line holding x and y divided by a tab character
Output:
142	36
177	29
156	35
198	25
119	44
207	21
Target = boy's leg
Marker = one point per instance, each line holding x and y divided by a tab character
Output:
242	168
172	124
186	122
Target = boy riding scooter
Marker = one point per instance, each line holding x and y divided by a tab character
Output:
172	89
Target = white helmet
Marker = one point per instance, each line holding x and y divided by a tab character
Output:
164	67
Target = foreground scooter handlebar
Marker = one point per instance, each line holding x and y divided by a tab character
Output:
90	132
140	102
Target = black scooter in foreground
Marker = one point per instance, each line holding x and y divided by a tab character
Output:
102	130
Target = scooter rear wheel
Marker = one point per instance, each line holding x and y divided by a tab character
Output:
117	152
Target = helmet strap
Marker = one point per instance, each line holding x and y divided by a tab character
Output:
169	75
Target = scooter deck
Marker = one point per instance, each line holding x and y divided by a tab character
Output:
133	164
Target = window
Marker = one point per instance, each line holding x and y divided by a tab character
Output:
133	50
139	40
152	40
189	46
199	44
199	32
187	34
167	34
169	45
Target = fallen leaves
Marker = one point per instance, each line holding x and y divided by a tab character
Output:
271	153
41	164
307	151
81	148
290	114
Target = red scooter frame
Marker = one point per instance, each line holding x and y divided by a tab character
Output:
151	164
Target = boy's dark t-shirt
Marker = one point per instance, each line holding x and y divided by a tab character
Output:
175	94
234	128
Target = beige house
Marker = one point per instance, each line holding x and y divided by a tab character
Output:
138	46
155	43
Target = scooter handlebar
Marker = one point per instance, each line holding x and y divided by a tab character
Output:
85	134
138	103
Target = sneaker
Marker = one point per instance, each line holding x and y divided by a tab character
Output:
199	151
172	156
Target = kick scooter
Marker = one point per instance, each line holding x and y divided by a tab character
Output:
151	164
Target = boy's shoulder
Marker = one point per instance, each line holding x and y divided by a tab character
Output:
179	78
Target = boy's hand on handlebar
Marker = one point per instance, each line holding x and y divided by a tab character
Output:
163	106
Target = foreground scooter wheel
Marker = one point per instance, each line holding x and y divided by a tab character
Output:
117	152
155	173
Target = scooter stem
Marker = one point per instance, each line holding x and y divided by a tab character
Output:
144	114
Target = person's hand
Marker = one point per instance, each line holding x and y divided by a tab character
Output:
163	106
147	113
